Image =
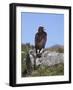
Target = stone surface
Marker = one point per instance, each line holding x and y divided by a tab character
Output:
48	58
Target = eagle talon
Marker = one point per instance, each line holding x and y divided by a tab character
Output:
38	55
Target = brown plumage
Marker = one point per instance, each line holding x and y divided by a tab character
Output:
40	39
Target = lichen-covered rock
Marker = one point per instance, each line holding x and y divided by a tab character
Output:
48	58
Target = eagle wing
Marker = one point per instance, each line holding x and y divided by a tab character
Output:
40	40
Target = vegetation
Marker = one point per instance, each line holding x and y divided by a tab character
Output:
60	50
57	48
24	52
40	70
48	71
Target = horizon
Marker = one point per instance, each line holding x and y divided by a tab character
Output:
45	47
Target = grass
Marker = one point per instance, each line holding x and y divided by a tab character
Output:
48	71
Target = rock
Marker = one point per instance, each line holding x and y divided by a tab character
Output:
48	58
28	65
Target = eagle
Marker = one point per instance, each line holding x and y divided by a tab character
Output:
40	40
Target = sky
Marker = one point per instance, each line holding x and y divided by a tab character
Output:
53	24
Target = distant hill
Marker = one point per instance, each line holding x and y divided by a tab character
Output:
57	48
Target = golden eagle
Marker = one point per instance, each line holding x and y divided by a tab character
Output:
40	39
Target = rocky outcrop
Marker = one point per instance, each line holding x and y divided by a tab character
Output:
47	58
